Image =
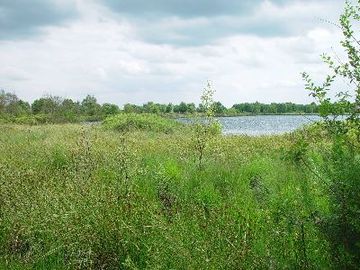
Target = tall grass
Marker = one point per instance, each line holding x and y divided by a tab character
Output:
81	197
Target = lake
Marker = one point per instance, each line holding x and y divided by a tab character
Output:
262	124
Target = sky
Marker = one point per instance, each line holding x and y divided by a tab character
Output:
134	51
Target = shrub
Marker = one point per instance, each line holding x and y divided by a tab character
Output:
205	129
141	122
339	164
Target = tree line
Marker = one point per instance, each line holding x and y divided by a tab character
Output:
56	109
220	110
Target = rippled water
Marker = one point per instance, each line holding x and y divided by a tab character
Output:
263	124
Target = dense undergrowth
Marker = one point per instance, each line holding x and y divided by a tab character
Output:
81	197
141	122
144	192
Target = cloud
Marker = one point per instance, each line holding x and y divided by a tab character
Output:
194	23
24	18
185	8
123	56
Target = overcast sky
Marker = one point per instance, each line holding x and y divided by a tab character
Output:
165	50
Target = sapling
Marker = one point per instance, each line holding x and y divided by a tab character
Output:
206	128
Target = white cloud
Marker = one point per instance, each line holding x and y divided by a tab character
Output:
101	53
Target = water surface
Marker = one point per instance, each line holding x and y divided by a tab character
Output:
263	124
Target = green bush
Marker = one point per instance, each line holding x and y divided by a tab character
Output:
143	122
338	162
34	119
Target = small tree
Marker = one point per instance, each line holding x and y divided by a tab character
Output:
341	166
205	129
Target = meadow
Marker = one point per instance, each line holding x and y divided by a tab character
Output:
114	196
141	191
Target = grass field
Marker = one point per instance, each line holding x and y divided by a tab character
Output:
84	197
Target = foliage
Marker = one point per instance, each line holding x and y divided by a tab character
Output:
339	161
10	104
275	108
205	129
141	122
54	109
90	106
109	109
86	197
81	197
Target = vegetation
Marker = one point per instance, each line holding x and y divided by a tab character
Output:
341	171
59	110
136	122
145	192
82	197
52	110
205	129
221	110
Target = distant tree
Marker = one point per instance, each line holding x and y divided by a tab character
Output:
69	111
46	105
162	107
219	108
182	108
7	101
10	104
151	107
132	108
169	108
2	101
109	109
281	108
311	108
69	105
231	111
256	108
273	108
90	106
248	107
201	108
191	108
22	108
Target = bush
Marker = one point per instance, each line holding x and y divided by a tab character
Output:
339	163
34	119
142	122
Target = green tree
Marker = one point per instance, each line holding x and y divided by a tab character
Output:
10	104
205	130
109	109
191	108
152	107
219	108
200	108
169	108
68	105
181	108
69	111
131	108
90	106
46	105
342	164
